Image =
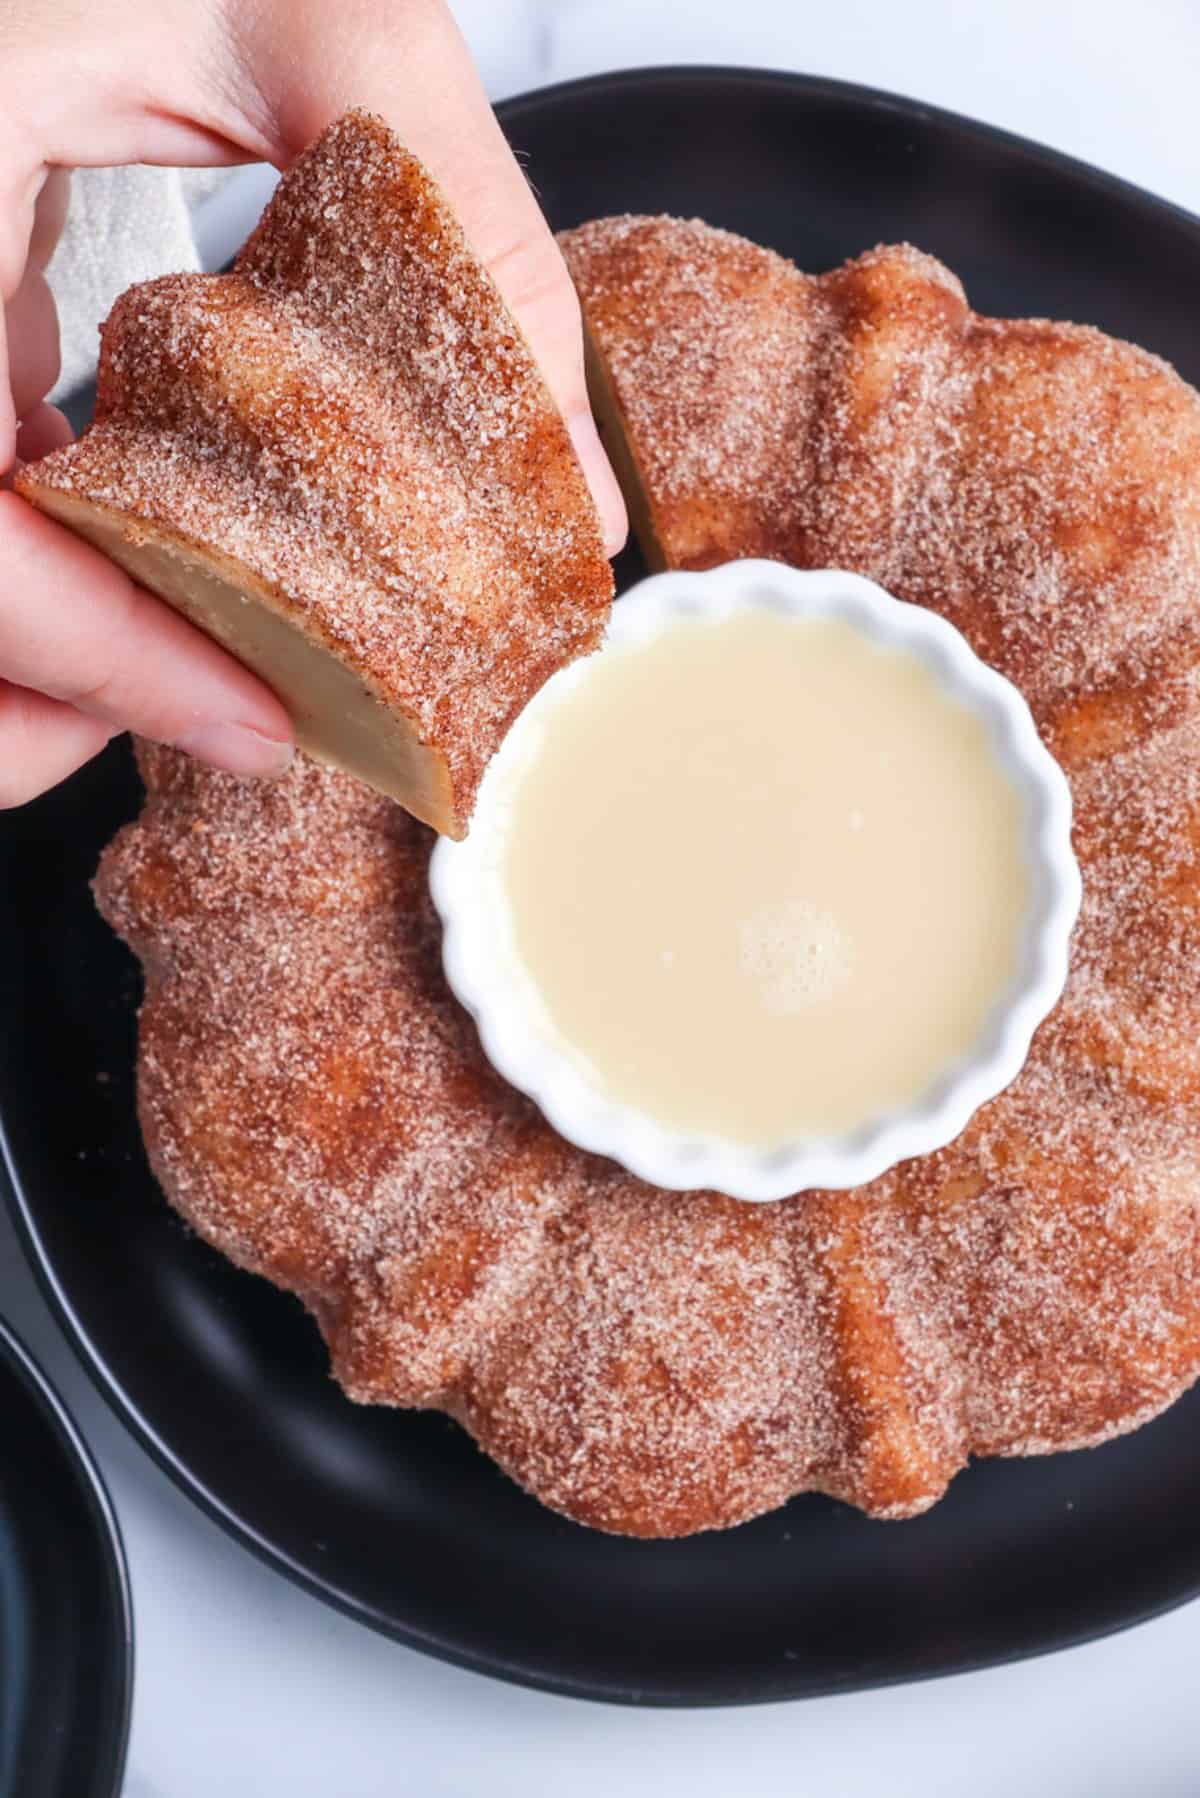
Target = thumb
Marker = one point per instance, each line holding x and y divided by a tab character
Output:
301	63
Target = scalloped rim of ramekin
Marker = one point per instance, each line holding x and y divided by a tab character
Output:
486	975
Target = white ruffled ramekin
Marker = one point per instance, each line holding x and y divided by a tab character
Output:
484	970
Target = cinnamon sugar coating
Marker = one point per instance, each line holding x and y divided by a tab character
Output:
316	1104
353	417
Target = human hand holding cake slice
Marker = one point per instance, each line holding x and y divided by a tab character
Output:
342	462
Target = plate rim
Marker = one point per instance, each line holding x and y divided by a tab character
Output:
877	99
16	1356
509	113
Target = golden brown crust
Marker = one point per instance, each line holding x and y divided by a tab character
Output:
316	1104
353	417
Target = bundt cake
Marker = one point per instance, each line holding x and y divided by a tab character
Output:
317	1106
342	460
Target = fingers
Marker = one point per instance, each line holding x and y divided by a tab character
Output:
43	429
41	742
49	217
532	276
31	325
75	627
21	182
302	62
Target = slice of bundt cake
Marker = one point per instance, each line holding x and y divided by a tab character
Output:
342	461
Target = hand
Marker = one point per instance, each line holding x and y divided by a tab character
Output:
84	652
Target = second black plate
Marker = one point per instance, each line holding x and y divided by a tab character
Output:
66	1625
396	1518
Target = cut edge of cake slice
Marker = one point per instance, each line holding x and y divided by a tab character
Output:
618	445
246	615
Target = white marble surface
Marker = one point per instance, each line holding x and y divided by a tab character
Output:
245	1685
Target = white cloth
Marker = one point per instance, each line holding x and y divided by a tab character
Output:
123	225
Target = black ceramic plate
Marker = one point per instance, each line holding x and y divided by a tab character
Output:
66	1626
396	1518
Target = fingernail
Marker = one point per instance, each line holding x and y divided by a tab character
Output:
238	749
597	471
